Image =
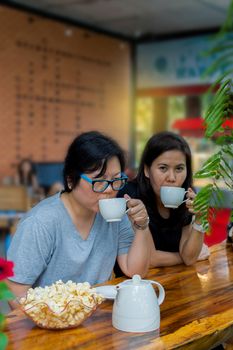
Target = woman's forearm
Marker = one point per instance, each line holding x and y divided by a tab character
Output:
138	257
18	290
191	247
161	258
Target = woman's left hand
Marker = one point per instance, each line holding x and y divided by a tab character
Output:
189	203
137	212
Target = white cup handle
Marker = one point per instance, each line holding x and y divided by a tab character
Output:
185	199
161	292
126	203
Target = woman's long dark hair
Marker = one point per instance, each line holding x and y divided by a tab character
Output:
89	152
156	145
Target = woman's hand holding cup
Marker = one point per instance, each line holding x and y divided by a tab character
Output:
137	212
190	199
190	204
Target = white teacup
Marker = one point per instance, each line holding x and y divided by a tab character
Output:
172	197
112	209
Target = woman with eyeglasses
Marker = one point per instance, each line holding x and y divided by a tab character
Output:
64	237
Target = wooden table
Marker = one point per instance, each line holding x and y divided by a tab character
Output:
197	313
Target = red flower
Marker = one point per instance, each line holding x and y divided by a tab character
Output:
6	269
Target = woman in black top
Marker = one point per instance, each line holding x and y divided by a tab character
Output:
177	234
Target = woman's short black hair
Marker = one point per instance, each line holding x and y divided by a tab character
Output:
89	152
156	145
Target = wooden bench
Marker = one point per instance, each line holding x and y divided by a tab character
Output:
14	198
14	202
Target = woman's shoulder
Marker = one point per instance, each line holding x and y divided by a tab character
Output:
47	209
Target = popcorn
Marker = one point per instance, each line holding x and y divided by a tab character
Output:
61	305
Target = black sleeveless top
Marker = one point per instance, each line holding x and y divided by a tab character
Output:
166	233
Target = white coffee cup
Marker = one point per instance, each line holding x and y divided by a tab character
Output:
172	197
112	209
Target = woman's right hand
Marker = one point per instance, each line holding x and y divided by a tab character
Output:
137	212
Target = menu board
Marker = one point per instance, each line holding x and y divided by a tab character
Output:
57	81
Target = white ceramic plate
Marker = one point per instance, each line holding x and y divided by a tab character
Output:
108	292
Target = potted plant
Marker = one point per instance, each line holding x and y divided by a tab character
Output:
220	165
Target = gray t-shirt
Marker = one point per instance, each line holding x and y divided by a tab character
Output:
47	246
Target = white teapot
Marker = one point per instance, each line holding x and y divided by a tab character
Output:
136	307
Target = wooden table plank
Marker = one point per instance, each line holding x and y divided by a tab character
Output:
197	313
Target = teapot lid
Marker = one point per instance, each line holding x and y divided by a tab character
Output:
136	280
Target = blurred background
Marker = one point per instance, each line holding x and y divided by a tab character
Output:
129	68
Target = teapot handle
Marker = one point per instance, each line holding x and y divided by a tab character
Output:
161	292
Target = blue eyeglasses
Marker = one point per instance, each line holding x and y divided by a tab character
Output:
101	185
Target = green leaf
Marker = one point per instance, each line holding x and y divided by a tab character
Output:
209	167
224	172
2	321
5	293
217	82
217	198
215	121
3	341
222	62
216	112
226	45
221	93
228	24
229	170
229	185
229	151
202	196
212	129
202	202
221	140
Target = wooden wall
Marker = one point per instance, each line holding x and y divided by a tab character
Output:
56	81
